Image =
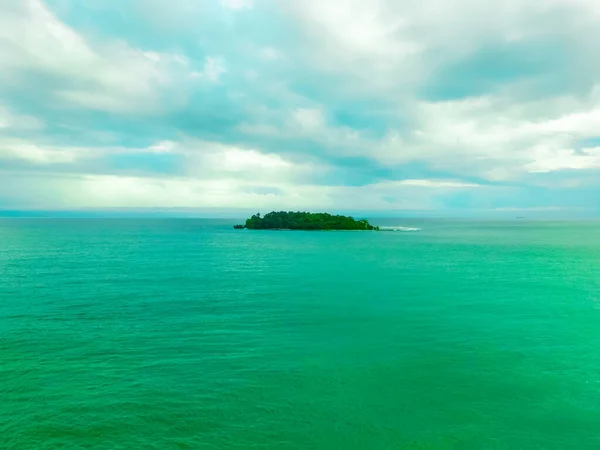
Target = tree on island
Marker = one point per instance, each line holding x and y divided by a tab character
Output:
290	220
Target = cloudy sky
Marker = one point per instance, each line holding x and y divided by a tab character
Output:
458	107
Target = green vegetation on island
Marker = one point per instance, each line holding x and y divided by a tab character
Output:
284	220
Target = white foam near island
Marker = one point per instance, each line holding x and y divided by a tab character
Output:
399	228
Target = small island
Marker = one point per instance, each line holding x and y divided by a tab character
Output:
284	220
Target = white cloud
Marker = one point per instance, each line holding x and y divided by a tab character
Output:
490	137
270	53
239	159
551	159
110	191
11	120
307	123
308	119
214	160
212	70
435	183
18	149
163	147
152	55
380	54
493	137
213	175
47	153
110	76
356	26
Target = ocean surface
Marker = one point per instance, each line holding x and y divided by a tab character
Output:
187	334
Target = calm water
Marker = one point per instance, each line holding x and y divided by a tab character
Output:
187	334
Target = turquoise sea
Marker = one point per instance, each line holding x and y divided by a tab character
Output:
187	334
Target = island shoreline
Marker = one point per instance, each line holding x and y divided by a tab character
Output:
305	221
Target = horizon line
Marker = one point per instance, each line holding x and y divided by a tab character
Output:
239	213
